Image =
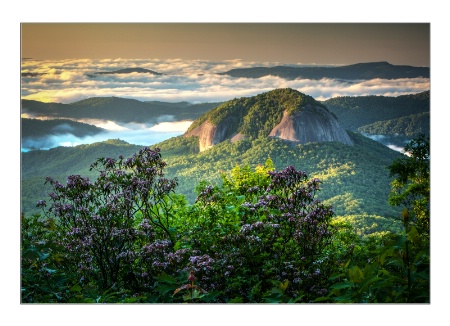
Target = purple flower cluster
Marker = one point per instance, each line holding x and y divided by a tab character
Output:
98	219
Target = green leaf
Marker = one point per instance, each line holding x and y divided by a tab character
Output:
284	285
177	245
43	256
335	276
384	254
88	300
165	288
296	299
369	269
343	285
164	278
236	300
368	281
321	299
229	208
356	275
51	271
75	288
347	263
414	235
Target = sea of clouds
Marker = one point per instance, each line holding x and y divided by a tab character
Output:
195	81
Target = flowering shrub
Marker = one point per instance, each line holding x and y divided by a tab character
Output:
262	236
108	226
281	235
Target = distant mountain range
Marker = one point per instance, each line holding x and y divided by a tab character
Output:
126	71
116	109
398	118
32	128
359	71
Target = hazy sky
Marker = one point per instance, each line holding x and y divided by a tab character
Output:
304	43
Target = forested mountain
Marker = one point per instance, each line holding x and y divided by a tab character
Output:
44	128
282	113
356	111
360	71
117	109
410	126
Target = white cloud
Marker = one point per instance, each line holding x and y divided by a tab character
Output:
67	81
178	126
133	133
396	148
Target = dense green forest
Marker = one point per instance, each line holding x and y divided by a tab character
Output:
261	235
388	120
354	112
410	126
356	178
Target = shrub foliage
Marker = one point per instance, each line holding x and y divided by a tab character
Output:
260	236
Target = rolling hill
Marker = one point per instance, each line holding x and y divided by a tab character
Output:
354	112
389	120
409	126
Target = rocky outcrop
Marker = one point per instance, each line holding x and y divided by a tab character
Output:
209	134
237	137
282	113
311	124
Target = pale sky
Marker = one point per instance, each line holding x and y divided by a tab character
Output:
304	43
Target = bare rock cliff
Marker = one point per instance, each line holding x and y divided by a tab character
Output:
311	124
209	134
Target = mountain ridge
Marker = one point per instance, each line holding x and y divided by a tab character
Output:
117	109
127	71
358	71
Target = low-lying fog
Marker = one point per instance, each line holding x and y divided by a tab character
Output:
133	133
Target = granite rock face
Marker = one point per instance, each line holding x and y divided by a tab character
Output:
209	134
311	124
